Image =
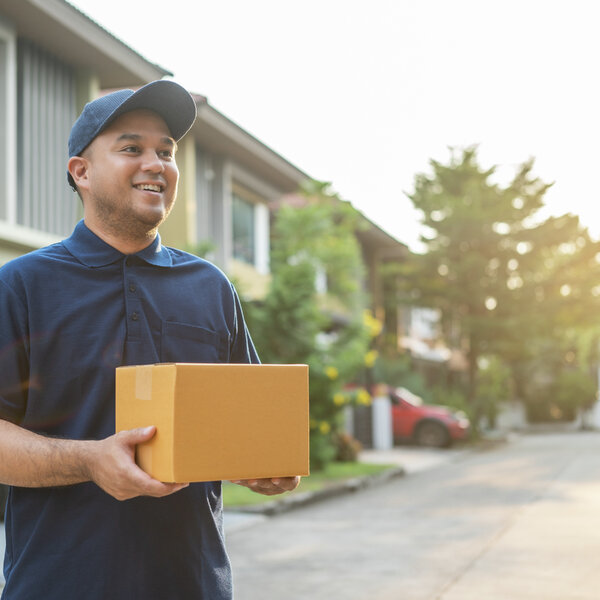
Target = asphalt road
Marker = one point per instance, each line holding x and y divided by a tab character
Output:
520	521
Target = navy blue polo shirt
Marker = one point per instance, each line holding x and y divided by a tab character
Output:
69	314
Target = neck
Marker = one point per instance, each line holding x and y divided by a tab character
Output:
129	244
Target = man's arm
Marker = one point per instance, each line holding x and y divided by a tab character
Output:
31	460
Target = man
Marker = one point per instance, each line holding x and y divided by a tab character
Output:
83	521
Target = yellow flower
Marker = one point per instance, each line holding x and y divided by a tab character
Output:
324	427
363	397
331	372
339	399
372	324
371	357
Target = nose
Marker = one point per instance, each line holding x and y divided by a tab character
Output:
152	162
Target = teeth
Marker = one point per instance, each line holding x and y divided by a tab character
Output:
149	187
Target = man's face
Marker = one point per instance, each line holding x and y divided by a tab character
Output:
132	176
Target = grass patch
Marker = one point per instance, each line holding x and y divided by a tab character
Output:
237	495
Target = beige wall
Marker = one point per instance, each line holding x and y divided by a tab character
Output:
179	230
250	284
7	254
16	240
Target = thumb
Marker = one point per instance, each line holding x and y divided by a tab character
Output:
139	435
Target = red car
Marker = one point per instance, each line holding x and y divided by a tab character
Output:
427	425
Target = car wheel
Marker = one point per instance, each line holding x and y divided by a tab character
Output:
432	435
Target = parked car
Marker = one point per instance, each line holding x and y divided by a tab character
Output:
425	424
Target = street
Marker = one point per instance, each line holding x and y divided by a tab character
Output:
520	521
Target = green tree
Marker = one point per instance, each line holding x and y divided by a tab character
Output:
493	387
508	284
313	236
572	391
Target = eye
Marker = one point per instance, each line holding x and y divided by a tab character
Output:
166	154
131	149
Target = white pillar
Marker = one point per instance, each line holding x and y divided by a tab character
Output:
383	438
594	416
261	238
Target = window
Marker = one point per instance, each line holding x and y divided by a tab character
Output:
250	229
46	111
244	243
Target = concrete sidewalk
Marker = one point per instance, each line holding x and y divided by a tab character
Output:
403	460
414	459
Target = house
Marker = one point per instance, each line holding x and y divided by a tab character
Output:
229	180
53	59
379	249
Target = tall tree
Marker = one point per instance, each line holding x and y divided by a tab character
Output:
507	282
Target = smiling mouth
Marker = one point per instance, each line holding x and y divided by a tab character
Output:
149	187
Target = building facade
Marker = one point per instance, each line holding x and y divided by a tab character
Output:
53	59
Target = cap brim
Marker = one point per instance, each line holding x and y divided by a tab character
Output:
167	98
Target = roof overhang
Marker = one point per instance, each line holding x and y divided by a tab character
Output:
74	38
219	135
377	241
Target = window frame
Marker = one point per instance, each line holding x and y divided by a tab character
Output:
260	225
8	123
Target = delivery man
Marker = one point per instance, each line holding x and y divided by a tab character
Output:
83	521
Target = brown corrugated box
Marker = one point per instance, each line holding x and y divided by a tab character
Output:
217	421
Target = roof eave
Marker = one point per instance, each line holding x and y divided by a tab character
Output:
220	134
70	35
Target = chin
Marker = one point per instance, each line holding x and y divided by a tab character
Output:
152	218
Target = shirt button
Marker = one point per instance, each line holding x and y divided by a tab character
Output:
134	316
128	262
132	288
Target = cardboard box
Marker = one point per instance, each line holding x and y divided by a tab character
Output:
217	421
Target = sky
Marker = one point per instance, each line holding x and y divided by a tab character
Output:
363	93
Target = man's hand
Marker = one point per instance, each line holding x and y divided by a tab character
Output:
270	487
112	467
28	459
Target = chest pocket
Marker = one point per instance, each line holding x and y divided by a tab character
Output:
181	342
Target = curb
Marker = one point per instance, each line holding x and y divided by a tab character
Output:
297	500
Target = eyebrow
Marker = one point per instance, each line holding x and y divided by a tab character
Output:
135	137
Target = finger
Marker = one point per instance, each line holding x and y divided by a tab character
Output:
270	487
263	486
166	489
286	483
252	484
131	438
155	487
142	484
139	435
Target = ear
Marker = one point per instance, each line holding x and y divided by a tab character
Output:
78	168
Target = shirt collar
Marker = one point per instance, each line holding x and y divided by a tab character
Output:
92	251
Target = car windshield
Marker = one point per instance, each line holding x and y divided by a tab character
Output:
409	397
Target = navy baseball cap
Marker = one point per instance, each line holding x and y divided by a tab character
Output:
167	98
